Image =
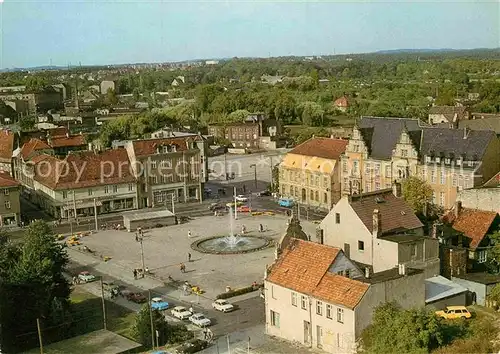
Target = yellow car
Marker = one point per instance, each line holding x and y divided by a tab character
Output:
452	312
73	241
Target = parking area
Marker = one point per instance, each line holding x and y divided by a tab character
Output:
166	248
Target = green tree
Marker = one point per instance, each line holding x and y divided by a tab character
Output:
142	327
284	108
417	193
310	113
276	180
238	116
111	98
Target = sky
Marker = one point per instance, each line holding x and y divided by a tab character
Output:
41	32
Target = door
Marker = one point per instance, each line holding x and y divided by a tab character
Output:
307	332
319	335
347	250
304	196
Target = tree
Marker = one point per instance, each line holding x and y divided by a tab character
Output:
238	116
276	180
111	98
417	193
284	108
33	285
310	113
394	330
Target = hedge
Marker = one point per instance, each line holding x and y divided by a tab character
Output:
240	291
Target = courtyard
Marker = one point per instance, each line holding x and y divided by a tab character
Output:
166	248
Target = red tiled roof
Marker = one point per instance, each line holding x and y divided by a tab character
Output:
85	169
303	267
326	148
337	289
473	223
341	102
6	180
33	145
62	141
6	144
149	146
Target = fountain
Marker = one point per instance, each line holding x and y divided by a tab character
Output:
231	244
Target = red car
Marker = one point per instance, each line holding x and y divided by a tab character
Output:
244	209
138	298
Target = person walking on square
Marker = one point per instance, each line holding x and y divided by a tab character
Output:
189	257
189	233
183	268
135	274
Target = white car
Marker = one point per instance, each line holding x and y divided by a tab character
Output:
241	198
181	313
200	320
222	305
86	277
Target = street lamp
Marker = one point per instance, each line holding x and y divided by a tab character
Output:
255	174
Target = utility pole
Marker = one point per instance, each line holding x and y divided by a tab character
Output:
235	205
254	174
248	348
103	305
40	335
142	256
228	347
272	182
74	204
225	166
95	215
173	204
151	319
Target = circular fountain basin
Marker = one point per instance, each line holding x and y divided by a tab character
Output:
223	245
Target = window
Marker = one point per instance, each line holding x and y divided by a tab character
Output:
442	177
6	191
347	273
344	166
272	292
319	308
303	302
7	204
65	194
106	189
337	218
356	148
329	311
433	177
404	153
482	256
316	195
434	198
428	159
275	319
459	162
454	180
447	161
325	198
367	187
115	189
361	246
461	180
438	160
294	299
153	165
377	186
367	168
414	251
325	182
377	169
355	165
388	170
311	194
130	187
441	198
90	191
340	315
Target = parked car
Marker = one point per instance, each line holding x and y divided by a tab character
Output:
243	209
86	277
452	312
222	305
231	204
241	198
181	313
217	206
124	292
264	193
286	202
157	303
199	319
192	346
138	298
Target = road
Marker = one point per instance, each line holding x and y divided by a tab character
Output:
248	313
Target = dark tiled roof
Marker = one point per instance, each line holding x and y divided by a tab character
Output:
396	215
326	148
32	146
473	223
451	142
149	146
381	134
482	124
447	110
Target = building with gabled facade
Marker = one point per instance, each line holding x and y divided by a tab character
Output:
167	169
316	296
7	139
380	151
10	206
380	230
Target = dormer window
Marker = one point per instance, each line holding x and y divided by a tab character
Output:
428	158
447	161
438	160
459	162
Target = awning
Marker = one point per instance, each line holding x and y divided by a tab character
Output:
80	205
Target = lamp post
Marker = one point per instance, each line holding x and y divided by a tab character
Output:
254	174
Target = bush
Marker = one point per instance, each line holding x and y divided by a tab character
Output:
240	291
179	333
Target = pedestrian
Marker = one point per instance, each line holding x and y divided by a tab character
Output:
205	334
189	257
261	228
244	189
183	268
210	334
75	279
243	229
191	310
135	274
136	237
189	233
146	270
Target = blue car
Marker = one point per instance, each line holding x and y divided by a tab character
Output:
157	303
286	202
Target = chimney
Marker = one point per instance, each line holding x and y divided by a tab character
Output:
466	132
367	272
396	189
376	223
458	208
402	269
